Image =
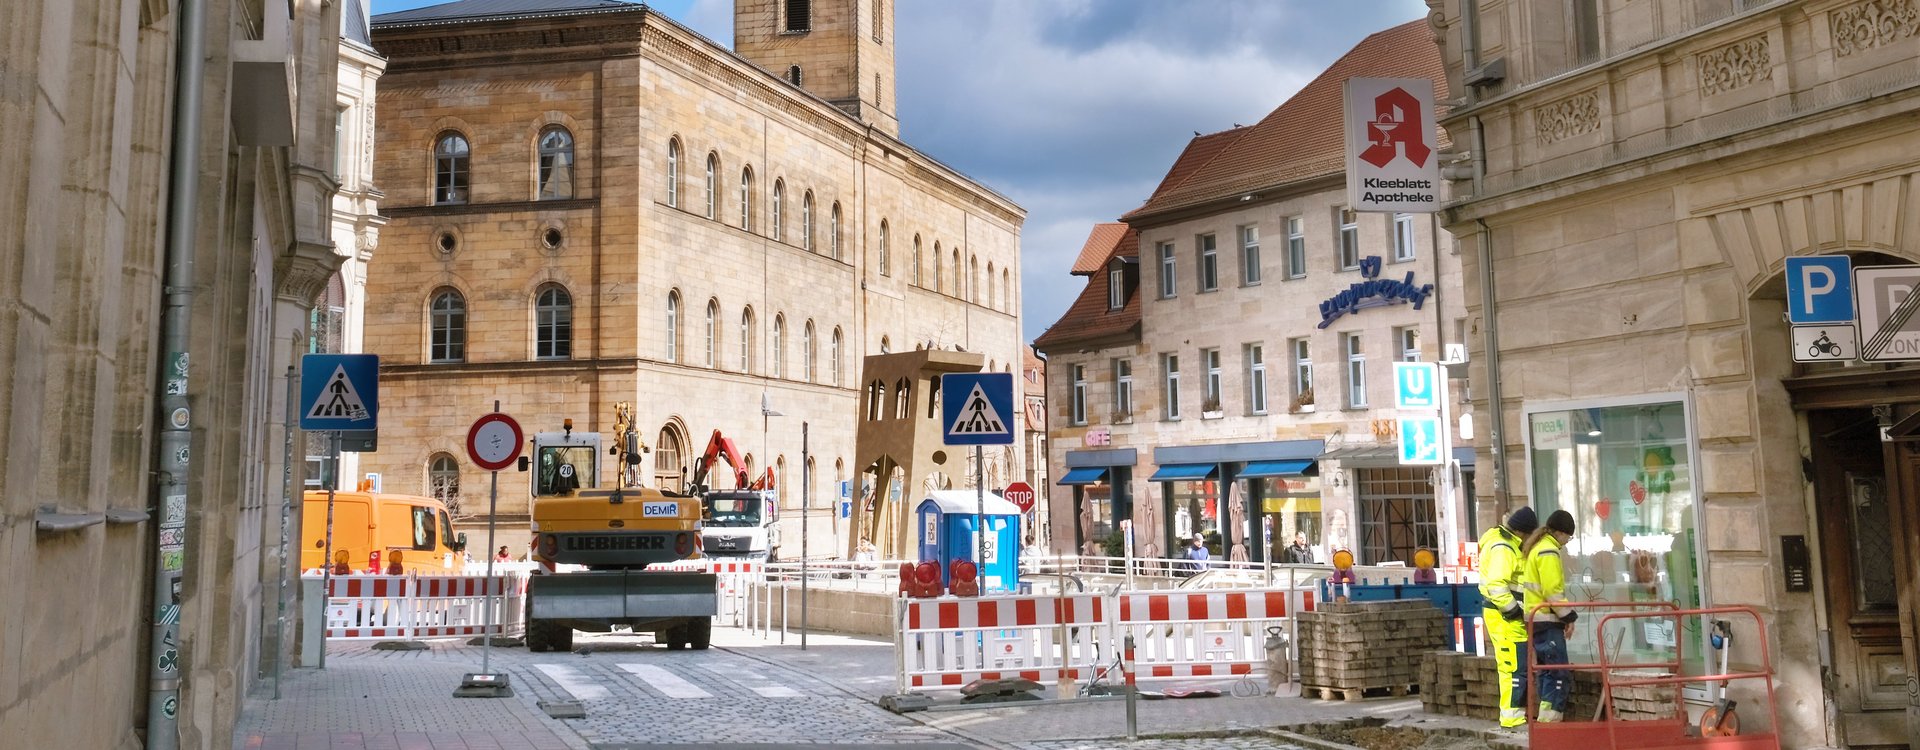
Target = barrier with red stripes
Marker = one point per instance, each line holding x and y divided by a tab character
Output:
401	607
1204	633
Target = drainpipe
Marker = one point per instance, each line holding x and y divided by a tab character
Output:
176	438
1489	312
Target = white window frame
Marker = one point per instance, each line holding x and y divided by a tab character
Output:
807	352
1408	340
1301	349
1169	287
1403	238
746	198
1210	359
1116	287
746	340
1350	345
1077	399
884	271
1256	379
1348	243
713	332
1250	255
1296	248
1209	271
834	359
673	172
673	327
778	345
713	184
806	221
1123	388
779	228
1170	366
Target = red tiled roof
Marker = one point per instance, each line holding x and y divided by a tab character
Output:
1303	138
1093	255
1031	362
1089	318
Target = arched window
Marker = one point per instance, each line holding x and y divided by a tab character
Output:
990	295
779	191
1006	289
876	401
746	199
834	244
780	480
959	281
793	75
673	172
451	156
916	261
443	481
939	278
747	462
902	398
886	345
713	184
553	323
673	326
746	340
806	221
713	330
779	343
883	248
556	164
833	360
448	324
809	478
668	472
806	352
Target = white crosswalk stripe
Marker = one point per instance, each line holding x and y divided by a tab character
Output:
668	683
576	684
758	683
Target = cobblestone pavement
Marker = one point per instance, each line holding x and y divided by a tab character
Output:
1245	742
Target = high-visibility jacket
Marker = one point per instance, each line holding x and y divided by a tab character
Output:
1500	568
1544	581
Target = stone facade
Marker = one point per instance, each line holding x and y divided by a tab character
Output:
1647	169
874	247
356	206
86	217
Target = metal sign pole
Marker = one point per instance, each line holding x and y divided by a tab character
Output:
806	510
286	519
326	563
492	616
980	518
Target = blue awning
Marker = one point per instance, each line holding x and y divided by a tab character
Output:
1179	472
1277	469
1085	475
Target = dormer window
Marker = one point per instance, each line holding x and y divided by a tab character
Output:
1116	286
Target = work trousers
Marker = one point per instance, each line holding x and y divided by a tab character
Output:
1510	657
1550	647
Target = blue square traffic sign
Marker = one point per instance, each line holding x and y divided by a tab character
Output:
1820	289
1420	441
1416	385
339	392
977	408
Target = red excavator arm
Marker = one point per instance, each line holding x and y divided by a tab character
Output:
720	446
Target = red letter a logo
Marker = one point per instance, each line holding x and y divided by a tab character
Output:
1397	122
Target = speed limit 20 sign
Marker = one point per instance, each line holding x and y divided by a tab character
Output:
494	441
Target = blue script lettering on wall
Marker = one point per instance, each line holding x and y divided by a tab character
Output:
1374	292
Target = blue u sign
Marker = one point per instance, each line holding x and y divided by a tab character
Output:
1820	289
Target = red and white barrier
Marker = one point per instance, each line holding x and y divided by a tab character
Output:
400	607
1203	634
950	642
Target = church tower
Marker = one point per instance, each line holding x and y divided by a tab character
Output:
839	50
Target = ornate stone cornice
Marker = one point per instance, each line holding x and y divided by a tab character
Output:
1734	66
1875	23
1575	115
301	275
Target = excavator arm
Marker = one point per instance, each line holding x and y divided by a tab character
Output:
718	447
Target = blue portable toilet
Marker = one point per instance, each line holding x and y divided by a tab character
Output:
946	522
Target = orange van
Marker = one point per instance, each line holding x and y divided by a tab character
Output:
415	529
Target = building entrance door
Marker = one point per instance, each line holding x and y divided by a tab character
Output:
1396	514
1858	504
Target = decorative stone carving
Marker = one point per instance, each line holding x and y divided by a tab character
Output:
1875	23
300	276
1575	115
1734	66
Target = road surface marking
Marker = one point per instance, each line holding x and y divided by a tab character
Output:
666	682
758	683
576	684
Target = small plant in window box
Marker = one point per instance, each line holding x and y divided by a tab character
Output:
1120	417
1302	402
1210	409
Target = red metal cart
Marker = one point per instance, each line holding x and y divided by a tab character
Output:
1650	734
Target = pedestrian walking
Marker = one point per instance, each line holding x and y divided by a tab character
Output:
1545	584
1298	552
1196	555
1500	587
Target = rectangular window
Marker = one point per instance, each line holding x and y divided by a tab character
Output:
1116	288
1167	288
1586	30
1402	237
1170	363
1210	358
1078	410
1349	239
1408	339
1296	248
1122	390
1356	371
1302	373
1209	264
1249	255
1256	379
799	15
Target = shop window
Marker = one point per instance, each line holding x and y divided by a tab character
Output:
1194	508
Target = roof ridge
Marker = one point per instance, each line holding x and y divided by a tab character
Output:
1198	168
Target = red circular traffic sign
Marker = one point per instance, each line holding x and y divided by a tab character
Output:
1021	494
494	441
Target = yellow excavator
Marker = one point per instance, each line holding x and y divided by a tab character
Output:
615	533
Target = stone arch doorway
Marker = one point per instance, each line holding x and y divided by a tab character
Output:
669	457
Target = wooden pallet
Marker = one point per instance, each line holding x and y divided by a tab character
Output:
1318	692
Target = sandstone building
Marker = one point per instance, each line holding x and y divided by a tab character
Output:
591	204
1196	386
1642	173
159	268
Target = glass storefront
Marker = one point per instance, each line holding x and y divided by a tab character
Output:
1625	474
1288	505
1196	510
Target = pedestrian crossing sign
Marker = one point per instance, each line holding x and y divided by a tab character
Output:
977	408
339	392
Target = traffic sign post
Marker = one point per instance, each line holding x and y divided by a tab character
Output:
1889	327
977	409
493	443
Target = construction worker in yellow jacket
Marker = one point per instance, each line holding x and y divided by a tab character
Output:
1545	583
1500	571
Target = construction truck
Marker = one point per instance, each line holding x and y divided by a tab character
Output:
740	523
615	533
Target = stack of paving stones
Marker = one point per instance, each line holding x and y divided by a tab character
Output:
1351	649
1457	684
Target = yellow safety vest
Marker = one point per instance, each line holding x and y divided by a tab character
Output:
1545	581
1499	567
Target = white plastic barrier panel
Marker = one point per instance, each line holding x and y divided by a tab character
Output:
383	607
950	642
1203	634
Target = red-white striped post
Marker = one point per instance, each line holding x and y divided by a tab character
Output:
1133	692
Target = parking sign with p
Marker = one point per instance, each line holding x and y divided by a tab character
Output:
1819	289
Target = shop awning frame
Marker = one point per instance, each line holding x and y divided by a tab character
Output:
1084	475
1184	472
1298	468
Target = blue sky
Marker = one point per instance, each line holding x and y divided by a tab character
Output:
1075	108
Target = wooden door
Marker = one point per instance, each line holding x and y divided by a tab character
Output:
1905	523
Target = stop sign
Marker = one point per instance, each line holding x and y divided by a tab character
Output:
1021	494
